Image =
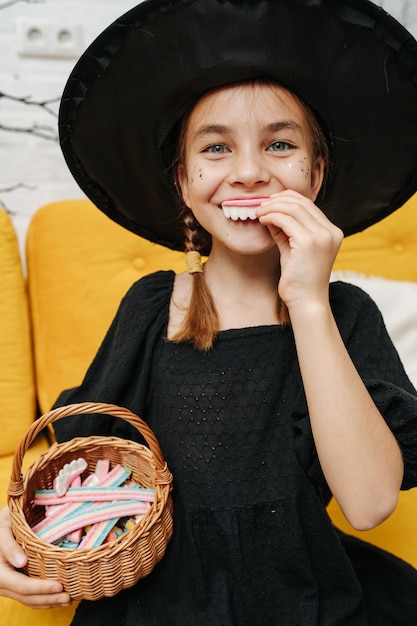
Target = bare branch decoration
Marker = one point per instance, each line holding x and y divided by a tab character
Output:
43	104
9	190
37	130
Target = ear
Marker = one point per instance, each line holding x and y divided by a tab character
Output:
183	184
317	176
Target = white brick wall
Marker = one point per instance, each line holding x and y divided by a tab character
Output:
32	170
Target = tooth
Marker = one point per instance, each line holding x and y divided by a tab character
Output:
239	213
247	213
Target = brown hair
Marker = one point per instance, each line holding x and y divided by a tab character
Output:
201	323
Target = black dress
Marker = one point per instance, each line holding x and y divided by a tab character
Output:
252	544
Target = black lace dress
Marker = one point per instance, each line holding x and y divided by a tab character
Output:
253	544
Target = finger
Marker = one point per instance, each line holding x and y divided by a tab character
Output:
302	211
299	206
51	601
291	227
32	591
296	219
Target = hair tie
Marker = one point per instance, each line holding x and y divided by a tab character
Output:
193	261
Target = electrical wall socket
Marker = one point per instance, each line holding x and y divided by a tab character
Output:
38	37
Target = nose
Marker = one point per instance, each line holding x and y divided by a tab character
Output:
248	169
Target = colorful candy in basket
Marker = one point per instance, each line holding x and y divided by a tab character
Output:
86	513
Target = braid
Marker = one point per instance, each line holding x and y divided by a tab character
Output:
195	236
201	324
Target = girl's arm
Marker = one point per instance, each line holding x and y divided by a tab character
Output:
359	455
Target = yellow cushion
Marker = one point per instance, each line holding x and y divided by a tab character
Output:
80	264
388	249
17	388
15	614
397	534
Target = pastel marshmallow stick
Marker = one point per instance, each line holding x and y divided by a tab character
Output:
61	512
100	494
76	482
52	509
99	513
68	473
75	536
97	534
102	468
116	477
90	481
48	497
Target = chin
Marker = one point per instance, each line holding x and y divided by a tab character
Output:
252	248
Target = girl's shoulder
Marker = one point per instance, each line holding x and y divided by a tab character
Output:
345	293
354	308
148	297
152	286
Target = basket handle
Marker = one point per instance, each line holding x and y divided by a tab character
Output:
16	481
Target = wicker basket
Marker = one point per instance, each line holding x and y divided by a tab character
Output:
103	571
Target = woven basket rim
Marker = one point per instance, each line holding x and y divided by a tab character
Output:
16	487
149	518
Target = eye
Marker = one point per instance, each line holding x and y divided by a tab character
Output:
281	146
216	148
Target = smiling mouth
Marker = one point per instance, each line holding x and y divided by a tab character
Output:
241	209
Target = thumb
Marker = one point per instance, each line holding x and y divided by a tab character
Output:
9	548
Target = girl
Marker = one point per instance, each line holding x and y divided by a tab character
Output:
269	390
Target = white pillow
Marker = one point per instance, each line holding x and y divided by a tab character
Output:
397	301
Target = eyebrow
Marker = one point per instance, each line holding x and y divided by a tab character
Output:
284	125
273	127
213	129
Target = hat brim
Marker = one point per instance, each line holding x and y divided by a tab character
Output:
350	61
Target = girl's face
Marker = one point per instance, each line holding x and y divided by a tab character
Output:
241	143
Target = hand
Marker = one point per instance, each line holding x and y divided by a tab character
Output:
33	592
308	244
